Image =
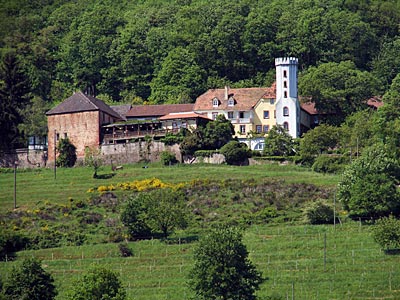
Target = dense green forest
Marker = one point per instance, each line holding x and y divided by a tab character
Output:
171	51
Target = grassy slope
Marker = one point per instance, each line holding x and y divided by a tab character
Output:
290	257
73	183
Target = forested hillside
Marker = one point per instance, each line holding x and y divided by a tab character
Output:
171	51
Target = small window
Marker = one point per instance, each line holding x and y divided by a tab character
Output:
259	146
274	114
57	136
285	84
271	101
241	115
231	102
258	128
285	94
174	125
286	111
242	129
286	125
284	73
230	114
266	128
266	114
65	135
214	115
215	102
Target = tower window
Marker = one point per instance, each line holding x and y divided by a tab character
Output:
286	126
286	111
285	94
284	73
285	84
266	114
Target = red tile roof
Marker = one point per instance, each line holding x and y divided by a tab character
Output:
245	98
142	111
375	102
184	115
309	107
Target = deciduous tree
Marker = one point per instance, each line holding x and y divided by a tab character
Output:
99	283
29	281
222	269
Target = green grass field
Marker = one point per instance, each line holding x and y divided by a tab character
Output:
297	260
40	185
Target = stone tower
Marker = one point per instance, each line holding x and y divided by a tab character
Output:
287	104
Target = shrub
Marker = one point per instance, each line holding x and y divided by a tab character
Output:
124	250
329	164
235	153
168	158
318	212
67	153
387	233
11	243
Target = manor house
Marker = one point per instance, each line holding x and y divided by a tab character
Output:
89	122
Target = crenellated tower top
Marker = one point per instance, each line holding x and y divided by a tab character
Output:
286	61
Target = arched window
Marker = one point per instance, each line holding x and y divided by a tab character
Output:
285	84
284	74
285	111
231	102
286	126
285	94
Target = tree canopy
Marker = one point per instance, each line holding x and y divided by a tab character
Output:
29	281
172	51
222	269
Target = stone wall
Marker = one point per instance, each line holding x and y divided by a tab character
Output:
137	152
25	158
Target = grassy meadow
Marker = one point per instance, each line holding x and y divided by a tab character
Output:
298	261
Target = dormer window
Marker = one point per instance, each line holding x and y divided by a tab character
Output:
231	102
215	102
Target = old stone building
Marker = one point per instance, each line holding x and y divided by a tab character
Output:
79	118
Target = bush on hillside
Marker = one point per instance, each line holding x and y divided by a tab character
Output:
329	164
235	153
318	212
387	233
168	158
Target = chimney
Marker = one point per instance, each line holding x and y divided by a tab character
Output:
226	92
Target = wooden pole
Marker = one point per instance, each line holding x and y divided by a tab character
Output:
55	154
15	184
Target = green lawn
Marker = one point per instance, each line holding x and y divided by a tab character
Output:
40	185
292	257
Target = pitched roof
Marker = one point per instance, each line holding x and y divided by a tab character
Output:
142	111
121	109
375	102
80	102
309	107
184	115
245	98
